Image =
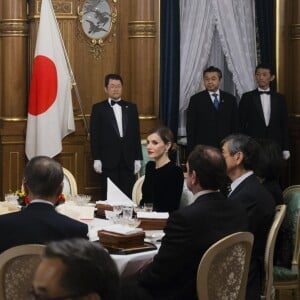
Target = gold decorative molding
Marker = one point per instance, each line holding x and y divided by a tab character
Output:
97	24
141	29
60	7
13	27
7	119
147	117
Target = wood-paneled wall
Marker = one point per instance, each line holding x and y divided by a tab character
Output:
132	49
288	67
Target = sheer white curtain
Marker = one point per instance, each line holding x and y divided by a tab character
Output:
236	28
196	32
234	23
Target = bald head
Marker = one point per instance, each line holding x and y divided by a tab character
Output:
43	177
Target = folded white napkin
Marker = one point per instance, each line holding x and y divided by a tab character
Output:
152	215
122	229
115	196
76	212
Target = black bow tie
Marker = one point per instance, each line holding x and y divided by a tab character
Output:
113	102
264	92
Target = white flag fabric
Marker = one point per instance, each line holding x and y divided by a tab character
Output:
50	111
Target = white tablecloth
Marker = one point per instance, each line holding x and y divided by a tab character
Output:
127	264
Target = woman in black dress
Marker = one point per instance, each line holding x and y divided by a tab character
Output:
163	179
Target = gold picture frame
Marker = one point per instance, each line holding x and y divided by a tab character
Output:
97	19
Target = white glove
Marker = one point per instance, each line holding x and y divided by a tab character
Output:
286	154
98	166
137	166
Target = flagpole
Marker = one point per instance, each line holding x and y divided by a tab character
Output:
73	81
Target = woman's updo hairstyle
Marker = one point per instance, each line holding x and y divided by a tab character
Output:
166	135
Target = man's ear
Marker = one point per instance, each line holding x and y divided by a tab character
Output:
239	157
272	77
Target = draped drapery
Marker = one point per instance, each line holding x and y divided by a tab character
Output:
169	64
196	33
235	25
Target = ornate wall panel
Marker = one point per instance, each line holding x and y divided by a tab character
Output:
131	48
288	65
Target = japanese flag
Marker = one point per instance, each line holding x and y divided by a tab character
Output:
50	111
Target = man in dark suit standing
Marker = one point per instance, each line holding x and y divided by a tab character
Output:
190	231
39	223
263	113
115	137
212	114
241	154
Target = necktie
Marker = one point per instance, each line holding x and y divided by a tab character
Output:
264	92
216	101
113	102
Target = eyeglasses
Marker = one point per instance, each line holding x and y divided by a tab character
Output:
32	295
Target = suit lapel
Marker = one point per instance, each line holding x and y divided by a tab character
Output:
112	118
124	117
273	106
257	103
209	102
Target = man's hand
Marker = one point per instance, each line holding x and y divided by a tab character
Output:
98	166
286	154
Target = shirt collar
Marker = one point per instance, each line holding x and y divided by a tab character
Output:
239	180
261	90
201	193
109	100
41	201
216	92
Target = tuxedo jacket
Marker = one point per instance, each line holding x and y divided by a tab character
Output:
205	124
260	207
38	223
106	142
252	119
189	232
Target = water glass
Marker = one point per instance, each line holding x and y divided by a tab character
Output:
148	207
127	212
117	209
11	198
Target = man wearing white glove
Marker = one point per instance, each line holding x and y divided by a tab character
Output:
115	137
263	112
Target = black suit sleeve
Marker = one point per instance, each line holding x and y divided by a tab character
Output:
284	124
243	115
191	121
168	262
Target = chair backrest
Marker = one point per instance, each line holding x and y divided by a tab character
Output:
290	248
137	190
269	251
17	267
70	185
223	269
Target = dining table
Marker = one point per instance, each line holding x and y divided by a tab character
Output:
127	263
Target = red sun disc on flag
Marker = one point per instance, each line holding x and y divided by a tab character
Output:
43	86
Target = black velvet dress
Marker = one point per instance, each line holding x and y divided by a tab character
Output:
162	186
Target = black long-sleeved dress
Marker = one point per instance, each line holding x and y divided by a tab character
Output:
162	186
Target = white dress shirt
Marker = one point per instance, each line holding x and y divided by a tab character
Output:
266	105
239	180
118	114
212	97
